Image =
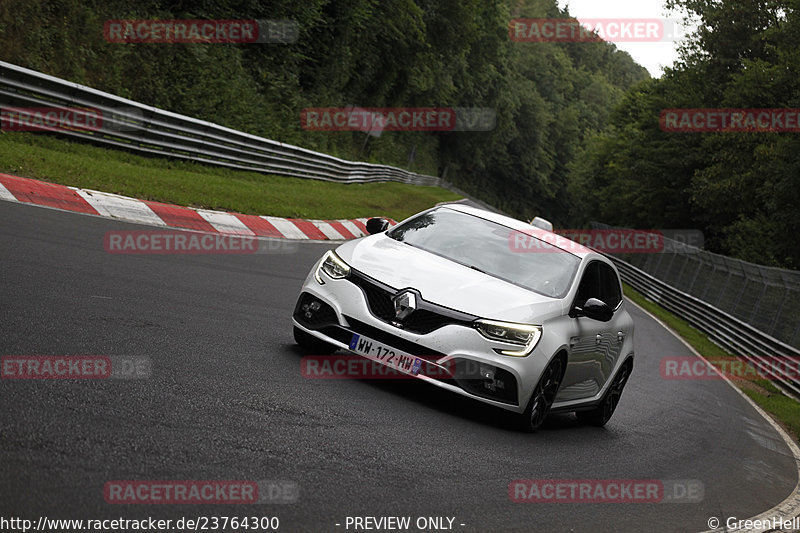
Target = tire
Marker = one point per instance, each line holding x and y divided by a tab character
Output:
600	415
543	396
312	344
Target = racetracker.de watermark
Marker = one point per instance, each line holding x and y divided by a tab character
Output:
617	30
610	241
606	491
50	119
389	365
730	120
375	120
173	31
192	242
694	368
177	242
200	492
77	119
74	367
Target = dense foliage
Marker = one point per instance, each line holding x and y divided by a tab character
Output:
549	97
742	189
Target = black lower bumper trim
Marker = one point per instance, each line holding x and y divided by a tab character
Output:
462	373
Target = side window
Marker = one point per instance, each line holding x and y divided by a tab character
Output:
590	284
599	281
609	286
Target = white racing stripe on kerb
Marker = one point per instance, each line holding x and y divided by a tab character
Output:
289	230
225	222
112	205
5	194
352	228
328	230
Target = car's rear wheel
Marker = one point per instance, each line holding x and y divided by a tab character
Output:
312	344
543	396
600	415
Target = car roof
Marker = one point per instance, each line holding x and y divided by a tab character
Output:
573	247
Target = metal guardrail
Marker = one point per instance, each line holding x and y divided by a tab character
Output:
736	336
755	294
148	130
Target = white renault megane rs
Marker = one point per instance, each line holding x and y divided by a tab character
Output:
479	304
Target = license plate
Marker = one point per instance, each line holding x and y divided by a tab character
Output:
372	349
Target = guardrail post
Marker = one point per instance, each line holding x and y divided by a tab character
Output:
777	316
696	275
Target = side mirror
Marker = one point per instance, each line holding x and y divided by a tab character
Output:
594	309
377	225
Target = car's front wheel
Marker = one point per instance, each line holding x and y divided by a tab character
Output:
312	344
543	396
600	415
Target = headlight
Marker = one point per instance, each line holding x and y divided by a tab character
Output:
525	335
333	266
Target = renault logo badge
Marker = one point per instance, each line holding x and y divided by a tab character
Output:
404	304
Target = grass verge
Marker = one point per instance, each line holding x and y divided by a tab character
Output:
782	408
49	158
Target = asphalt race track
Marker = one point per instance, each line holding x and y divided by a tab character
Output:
226	401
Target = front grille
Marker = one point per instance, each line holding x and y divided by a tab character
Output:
424	321
379	300
426	318
384	337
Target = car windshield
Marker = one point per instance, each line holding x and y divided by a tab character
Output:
490	248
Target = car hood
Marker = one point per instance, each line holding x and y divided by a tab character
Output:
446	282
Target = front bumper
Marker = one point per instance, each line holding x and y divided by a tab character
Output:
456	355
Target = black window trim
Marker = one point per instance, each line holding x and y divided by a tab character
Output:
616	276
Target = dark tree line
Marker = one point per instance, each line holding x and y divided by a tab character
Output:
549	98
742	189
